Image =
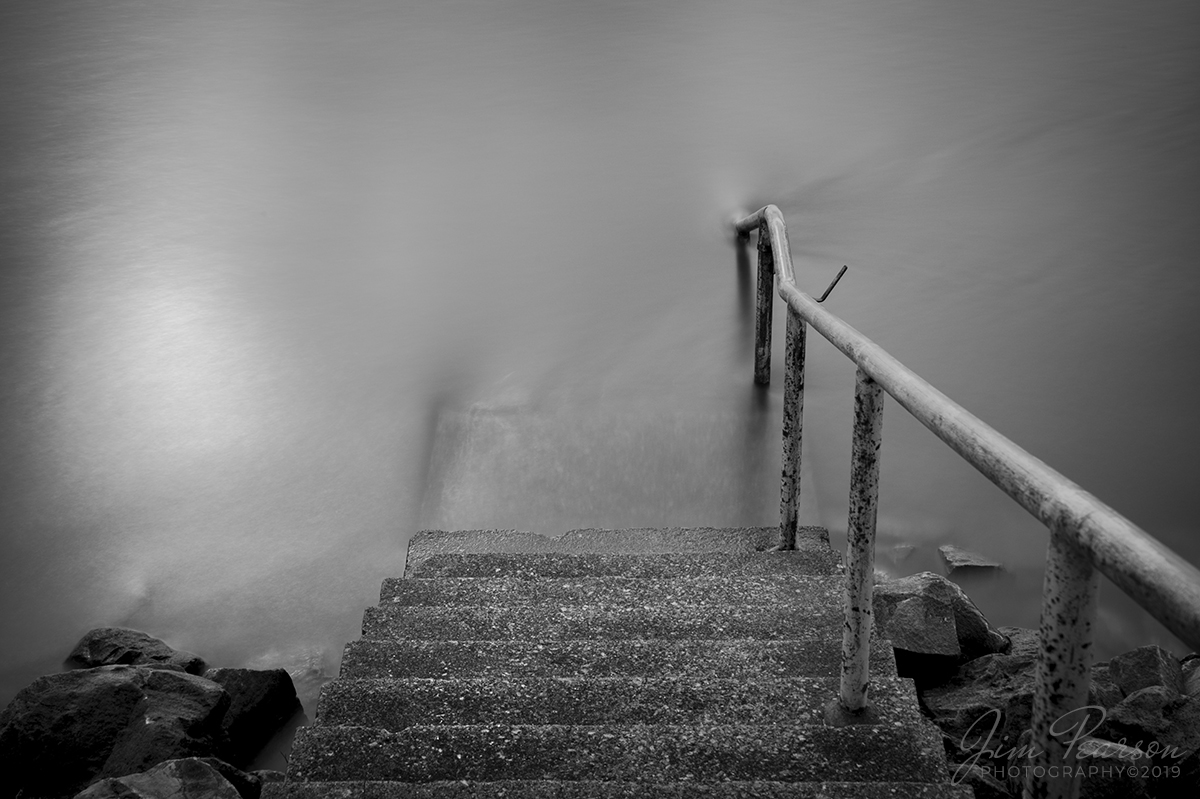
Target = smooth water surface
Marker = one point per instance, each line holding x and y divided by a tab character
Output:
258	258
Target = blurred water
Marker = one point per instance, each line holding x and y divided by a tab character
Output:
255	255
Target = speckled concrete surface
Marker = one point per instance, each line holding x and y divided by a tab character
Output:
642	541
395	704
588	789
809	652
812	560
591	622
632	753
635	663
776	589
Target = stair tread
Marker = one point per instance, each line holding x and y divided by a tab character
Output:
475	622
808	560
768	589
590	789
808	652
592	539
396	704
648	753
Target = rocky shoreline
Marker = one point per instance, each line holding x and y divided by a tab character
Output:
136	718
1140	737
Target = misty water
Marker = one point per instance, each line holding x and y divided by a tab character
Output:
283	282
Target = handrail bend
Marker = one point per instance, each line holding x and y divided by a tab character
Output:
1086	535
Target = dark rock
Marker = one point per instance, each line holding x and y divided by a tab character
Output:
261	702
1146	666
920	624
989	700
928	616
64	730
987	704
962	560
112	646
1141	717
1165	726
1155	714
187	778
1022	642
1105	692
246	783
1113	771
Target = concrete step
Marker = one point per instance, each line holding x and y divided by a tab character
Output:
630	540
586	789
814	560
397	704
621	753
518	623
615	591
808	652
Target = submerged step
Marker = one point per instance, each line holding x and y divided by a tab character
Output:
639	540
814	560
589	789
779	589
646	753
808	652
397	704
597	622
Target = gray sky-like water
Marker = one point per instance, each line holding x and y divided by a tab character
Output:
254	255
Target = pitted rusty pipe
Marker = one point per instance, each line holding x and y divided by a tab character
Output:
860	544
793	430
763	308
1061	684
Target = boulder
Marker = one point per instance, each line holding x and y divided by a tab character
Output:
113	646
261	702
1155	714
64	730
248	784
964	561
1144	667
1113	771
988	703
187	778
989	700
933	625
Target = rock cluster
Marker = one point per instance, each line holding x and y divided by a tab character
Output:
976	683
137	717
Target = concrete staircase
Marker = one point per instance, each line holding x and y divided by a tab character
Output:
610	663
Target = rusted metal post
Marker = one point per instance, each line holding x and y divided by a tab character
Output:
793	429
764	306
860	547
1061	687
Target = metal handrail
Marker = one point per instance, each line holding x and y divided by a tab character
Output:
1087	537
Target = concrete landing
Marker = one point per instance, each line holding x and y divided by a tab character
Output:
630	663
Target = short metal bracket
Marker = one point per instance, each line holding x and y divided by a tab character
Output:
831	285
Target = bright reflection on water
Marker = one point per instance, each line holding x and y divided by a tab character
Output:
260	258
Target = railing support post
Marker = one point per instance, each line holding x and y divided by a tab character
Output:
793	429
763	306
860	547
1061	687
